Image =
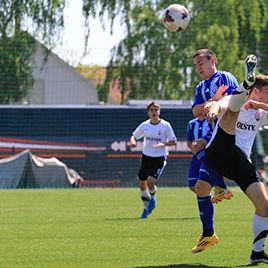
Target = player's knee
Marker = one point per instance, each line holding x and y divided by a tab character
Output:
198	189
143	185
151	182
202	188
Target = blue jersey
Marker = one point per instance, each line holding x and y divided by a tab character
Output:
206	89
197	129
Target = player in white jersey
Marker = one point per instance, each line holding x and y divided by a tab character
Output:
228	152
248	123
157	135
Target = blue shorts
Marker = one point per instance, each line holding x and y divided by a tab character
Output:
193	171
209	175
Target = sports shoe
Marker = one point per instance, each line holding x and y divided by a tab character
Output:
152	205
205	242
250	70
221	194
258	257
144	214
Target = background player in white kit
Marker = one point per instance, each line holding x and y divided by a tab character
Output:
157	134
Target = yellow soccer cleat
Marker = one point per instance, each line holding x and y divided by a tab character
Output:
205	242
221	194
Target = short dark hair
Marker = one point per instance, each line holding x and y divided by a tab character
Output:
205	52
152	104
261	81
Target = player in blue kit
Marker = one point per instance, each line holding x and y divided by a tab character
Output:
197	128
214	86
200	129
205	63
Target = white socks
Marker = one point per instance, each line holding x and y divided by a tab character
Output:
260	229
145	197
238	98
153	191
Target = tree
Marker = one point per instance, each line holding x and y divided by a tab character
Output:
154	63
41	18
97	75
253	30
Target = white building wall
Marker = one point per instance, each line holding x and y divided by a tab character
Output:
61	83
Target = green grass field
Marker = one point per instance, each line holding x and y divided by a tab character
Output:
101	228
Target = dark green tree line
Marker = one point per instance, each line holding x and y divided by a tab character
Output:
149	62
154	63
44	18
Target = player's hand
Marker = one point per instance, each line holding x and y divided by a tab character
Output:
158	145
208	106
132	144
220	93
251	104
212	111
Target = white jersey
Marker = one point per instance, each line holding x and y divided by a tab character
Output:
153	134
248	123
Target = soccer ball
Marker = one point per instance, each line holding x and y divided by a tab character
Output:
176	18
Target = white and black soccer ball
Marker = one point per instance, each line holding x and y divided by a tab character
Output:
176	18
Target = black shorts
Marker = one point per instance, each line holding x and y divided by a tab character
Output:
228	160
151	166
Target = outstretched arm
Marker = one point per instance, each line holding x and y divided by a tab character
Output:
212	111
199	109
163	144
256	105
214	108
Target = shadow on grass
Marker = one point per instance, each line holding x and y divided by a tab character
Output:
193	265
158	219
177	219
123	219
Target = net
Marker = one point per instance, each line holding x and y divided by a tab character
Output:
93	141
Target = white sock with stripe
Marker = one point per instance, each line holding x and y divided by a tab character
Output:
145	197
260	230
238	98
153	192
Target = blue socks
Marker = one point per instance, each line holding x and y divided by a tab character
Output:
206	212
